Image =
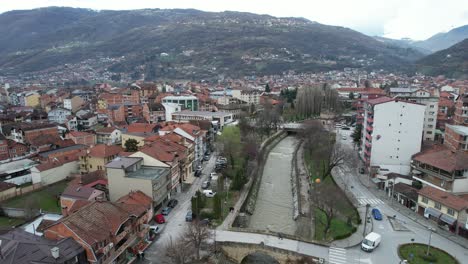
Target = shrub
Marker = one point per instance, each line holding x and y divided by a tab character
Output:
431	258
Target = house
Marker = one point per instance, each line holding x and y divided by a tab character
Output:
32	99
461	109
80	137
58	115
17	172
219	118
444	208
95	158
25	132
248	96
108	231
441	168
76	196
108	136
21	247
406	195
127	174
7	190
189	102
73	104
86	120
456	137
391	133
139	131
64	150
55	170
154	112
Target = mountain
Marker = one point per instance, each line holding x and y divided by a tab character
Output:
451	62
403	43
442	41
184	43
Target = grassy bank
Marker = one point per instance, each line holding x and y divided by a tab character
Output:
416	254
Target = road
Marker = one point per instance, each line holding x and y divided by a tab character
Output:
387	251
175	221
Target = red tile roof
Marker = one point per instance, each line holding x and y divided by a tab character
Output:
104	151
380	100
106	130
141	128
136	198
441	157
56	162
444	198
6	185
79	134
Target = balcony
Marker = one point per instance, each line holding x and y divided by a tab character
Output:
368	137
368	145
370	120
367	153
431	171
369	129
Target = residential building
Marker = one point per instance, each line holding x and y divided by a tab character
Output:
96	157
17	172
444	208
131	173
109	136
456	137
109	232
442	168
86	121
422	96
247	96
187	102
83	138
171	108
219	119
55	170
32	99
21	247
392	133
25	132
73	104
58	115
138	132
7	190
75	196
154	112
406	195
461	109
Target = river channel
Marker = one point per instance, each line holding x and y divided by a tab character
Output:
274	205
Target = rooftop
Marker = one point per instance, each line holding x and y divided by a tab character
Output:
441	157
149	173
123	162
17	165
462	130
180	97
203	113
444	198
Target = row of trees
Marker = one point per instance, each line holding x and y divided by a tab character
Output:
313	100
183	249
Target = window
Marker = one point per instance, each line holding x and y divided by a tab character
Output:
425	200
429	132
431	106
438	205
451	212
430	119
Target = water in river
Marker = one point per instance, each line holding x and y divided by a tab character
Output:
274	206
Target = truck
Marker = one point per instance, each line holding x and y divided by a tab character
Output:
371	241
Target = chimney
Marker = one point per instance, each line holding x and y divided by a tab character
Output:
55	252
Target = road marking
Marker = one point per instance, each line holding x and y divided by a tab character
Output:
364	201
337	255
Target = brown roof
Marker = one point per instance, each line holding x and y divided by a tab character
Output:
407	190
79	192
441	157
98	220
444	198
380	100
157	153
56	162
141	128
106	130
79	134
6	185
103	151
136	198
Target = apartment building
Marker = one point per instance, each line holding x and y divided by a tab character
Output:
219	118
58	115
461	109
247	96
73	103
96	157
392	133
187	102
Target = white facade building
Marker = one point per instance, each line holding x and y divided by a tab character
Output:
391	133
58	115
248	96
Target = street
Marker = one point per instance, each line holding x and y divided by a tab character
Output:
387	251
175	221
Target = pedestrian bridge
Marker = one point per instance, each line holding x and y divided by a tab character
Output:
292	127
238	245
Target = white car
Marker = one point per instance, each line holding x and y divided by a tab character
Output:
156	229
213	174
343	137
209	193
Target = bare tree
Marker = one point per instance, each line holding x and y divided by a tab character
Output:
178	251
326	197
197	235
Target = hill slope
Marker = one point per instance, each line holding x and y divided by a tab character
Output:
443	40
451	62
186	43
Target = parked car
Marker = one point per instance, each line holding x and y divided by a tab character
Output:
205	221
159	218
155	229
370	242
166	210
189	216
206	157
221	160
197	173
362	170
209	193
213	174
343	137
199	167
376	214
346	128
172	203
205	185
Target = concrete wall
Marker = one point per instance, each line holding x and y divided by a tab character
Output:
54	175
119	185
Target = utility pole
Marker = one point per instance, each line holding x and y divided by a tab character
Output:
365	220
430	236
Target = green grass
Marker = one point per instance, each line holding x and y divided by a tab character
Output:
231	200
45	199
419	252
7	222
338	227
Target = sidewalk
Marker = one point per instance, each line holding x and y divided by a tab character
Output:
413	215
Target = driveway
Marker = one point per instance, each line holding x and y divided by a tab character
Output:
175	224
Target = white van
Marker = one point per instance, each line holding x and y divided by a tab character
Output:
209	193
371	241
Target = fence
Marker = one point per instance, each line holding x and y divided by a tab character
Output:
8	194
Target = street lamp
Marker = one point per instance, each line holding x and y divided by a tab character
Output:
365	220
430	236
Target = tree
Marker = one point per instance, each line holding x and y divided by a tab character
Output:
351	95
312	100
267	88
178	251
325	197
230	144
217	206
131	145
198	202
357	135
198	235
268	119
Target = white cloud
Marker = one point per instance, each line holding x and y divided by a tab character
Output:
417	19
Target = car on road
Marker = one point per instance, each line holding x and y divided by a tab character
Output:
156	229
221	160
198	173
189	216
199	167
159	218
172	203
343	137
209	193
376	214
371	241
206	157
166	210
346	128
205	184
362	170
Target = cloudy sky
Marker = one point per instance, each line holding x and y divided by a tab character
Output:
416	19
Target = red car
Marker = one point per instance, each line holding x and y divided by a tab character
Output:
159	218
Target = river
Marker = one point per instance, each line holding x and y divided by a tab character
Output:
274	205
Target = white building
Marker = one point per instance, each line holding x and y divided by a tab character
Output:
391	133
58	115
188	102
221	118
171	108
248	96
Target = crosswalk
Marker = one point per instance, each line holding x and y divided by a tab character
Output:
337	255
371	201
